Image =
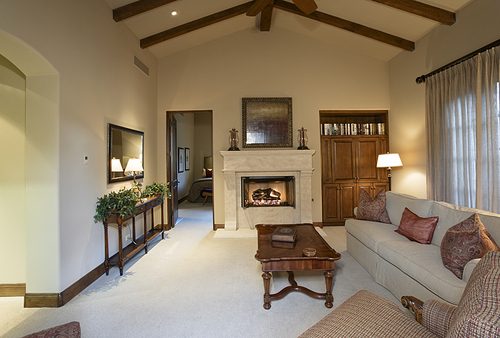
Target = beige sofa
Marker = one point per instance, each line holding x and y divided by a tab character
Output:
406	267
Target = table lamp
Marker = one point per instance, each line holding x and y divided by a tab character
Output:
389	161
116	166
133	165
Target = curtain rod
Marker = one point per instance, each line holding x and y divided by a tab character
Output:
422	78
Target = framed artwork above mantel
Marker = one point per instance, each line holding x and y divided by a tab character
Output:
267	122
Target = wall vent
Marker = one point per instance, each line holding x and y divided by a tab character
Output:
141	65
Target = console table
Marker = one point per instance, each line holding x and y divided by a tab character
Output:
130	250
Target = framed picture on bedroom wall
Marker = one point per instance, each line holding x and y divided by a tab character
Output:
187	159
180	159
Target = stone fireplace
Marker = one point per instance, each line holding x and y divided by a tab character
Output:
287	173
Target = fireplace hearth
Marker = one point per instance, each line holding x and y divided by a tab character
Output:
268	191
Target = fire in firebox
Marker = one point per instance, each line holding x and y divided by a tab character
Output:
266	191
266	197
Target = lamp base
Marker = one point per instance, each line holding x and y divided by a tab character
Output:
233	149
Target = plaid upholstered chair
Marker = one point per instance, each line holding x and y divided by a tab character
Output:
368	315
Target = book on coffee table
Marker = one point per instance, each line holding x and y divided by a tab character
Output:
284	234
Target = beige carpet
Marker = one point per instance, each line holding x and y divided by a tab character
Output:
192	285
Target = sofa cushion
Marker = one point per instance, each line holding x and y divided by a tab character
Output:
372	208
423	264
465	241
367	315
371	234
396	204
416	228
477	314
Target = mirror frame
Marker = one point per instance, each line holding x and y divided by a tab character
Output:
112	127
264	111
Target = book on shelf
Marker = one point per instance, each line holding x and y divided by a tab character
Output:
329	129
284	234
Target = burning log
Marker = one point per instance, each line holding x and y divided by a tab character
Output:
268	194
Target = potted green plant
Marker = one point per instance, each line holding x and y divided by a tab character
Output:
157	189
120	202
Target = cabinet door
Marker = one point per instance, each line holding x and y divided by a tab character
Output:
368	187
367	151
379	186
348	200
343	159
331	210
327	160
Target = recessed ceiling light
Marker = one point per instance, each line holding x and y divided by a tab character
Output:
174	13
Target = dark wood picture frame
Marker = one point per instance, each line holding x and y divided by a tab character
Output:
117	137
186	156
180	160
267	122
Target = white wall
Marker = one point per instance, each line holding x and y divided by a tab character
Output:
477	25
99	84
216	75
12	173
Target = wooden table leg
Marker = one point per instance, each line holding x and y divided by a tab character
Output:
329	285
106	249
120	247
267	296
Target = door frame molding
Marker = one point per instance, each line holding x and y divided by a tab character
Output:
168	166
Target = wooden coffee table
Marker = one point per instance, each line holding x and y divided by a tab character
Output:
292	259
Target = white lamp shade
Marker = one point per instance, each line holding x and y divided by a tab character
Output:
134	164
116	165
389	161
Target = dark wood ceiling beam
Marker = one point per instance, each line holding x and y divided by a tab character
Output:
138	7
349	26
266	16
257	7
194	25
427	11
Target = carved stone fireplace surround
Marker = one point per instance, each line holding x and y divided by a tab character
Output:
238	164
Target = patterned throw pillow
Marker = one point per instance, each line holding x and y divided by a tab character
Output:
372	209
417	228
465	241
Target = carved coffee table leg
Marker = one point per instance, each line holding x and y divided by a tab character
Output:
266	276
329	285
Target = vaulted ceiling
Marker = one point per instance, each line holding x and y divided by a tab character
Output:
379	28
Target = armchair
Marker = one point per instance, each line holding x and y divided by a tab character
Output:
368	315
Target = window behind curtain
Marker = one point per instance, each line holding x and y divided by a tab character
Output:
463	133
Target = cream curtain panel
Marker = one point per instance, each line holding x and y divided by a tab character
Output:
463	133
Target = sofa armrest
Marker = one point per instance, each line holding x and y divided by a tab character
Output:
468	268
437	316
415	305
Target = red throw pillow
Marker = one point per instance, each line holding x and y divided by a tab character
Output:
372	209
465	241
209	173
417	228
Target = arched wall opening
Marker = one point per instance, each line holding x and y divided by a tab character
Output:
42	165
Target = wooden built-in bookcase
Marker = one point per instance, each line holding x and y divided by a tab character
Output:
349	160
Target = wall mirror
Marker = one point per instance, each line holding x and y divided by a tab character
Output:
267	122
124	144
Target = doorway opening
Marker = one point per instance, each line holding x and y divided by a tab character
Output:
189	161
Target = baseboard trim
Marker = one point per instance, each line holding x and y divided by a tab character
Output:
12	290
36	300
